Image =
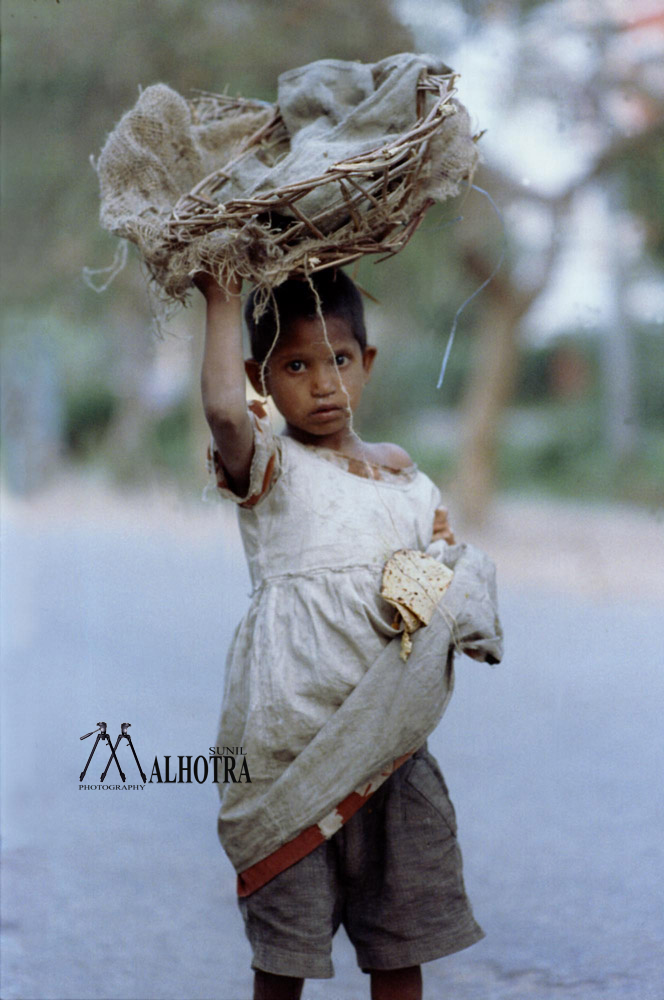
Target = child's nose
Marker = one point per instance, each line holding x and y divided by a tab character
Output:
325	380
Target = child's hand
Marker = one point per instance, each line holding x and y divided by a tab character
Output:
441	527
212	289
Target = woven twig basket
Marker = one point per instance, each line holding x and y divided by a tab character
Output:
238	219
374	202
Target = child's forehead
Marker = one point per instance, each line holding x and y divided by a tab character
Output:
304	333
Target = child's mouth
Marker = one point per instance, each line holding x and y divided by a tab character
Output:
324	413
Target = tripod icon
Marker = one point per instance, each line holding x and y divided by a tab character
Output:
124	735
103	736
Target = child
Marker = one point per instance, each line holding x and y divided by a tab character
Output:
320	513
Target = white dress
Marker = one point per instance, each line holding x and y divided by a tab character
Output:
316	537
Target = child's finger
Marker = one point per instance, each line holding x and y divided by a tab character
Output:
201	280
442	530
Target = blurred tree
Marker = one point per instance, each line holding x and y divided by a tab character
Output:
612	105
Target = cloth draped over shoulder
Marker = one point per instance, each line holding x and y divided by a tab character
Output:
330	111
335	753
389	715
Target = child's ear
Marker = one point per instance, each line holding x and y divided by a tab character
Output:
253	370
368	358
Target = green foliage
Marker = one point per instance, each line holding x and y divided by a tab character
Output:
534	376
170	439
535	380
644	185
89	411
649	345
570	457
477	9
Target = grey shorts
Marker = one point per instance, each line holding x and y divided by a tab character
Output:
392	876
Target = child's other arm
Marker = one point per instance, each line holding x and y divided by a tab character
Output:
223	380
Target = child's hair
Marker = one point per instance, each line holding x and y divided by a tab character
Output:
295	299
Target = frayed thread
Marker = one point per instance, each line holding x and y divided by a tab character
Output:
477	291
112	271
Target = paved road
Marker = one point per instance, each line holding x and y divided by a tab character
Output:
554	759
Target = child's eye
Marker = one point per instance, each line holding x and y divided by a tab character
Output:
295	366
340	360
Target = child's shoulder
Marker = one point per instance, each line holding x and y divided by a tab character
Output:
390	455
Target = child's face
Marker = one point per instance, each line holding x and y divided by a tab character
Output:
316	383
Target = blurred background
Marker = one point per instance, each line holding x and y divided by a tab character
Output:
121	589
556	380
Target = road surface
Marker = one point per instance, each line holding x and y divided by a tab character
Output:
122	612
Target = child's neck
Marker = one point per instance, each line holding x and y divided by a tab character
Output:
344	441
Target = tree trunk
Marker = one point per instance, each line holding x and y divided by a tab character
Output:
489	390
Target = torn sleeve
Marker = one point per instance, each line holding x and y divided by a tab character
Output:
265	462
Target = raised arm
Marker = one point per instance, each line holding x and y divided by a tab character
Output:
223	380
